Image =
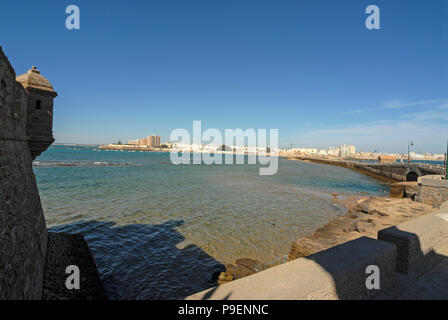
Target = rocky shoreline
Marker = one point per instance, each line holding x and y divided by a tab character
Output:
365	217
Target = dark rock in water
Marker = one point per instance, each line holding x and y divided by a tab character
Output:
248	263
241	268
222	277
238	271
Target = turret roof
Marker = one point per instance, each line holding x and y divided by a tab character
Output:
34	79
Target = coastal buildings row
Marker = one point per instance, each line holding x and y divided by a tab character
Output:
350	151
150	141
344	150
208	148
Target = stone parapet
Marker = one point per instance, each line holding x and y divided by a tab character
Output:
432	190
418	241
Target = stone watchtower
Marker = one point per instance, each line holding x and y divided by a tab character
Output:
26	111
32	260
40	95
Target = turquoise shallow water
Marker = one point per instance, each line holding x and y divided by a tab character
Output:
157	230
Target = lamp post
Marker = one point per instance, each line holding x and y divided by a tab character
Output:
410	143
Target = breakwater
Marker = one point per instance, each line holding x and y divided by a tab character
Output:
385	171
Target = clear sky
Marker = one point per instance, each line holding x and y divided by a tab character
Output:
308	68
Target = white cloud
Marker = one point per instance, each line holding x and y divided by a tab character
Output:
440	113
394	105
428	128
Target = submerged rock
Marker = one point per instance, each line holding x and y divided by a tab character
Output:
222	277
239	269
248	263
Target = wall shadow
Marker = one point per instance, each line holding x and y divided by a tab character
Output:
145	261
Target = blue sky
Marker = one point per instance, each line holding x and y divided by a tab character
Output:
309	68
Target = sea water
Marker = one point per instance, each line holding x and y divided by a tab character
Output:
160	231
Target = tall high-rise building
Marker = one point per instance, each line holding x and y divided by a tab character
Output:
347	150
154	141
351	150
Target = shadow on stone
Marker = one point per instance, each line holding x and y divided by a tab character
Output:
414	269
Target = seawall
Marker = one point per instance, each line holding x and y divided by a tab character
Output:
23	234
390	172
32	258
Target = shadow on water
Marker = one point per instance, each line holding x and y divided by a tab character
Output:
144	261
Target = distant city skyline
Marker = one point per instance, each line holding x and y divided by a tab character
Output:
350	150
310	69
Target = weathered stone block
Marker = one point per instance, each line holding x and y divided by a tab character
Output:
417	242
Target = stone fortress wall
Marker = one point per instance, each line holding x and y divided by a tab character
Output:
33	261
25	131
